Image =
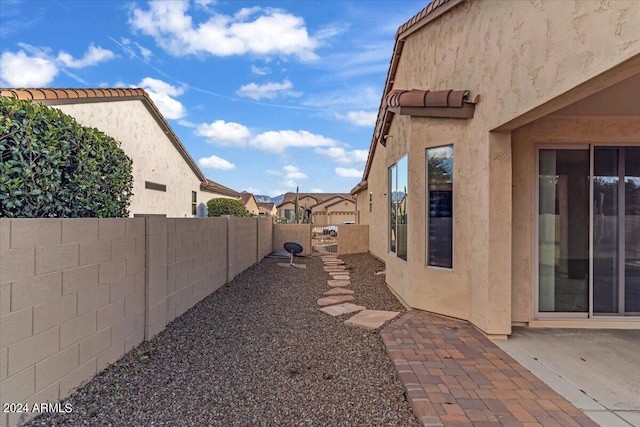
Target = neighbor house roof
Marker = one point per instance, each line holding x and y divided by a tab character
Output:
433	10
362	185
212	186
245	197
319	197
267	205
88	95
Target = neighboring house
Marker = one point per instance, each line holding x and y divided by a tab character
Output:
306	202
267	209
250	204
166	180
335	210
510	193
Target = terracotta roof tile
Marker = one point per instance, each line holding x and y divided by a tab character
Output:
213	186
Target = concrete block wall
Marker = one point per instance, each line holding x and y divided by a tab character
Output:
196	261
353	239
265	237
76	294
243	243
71	302
283	233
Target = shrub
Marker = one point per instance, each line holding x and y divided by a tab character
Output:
222	206
51	166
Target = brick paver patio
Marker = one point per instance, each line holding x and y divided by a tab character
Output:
455	376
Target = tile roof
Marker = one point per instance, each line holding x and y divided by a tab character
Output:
362	185
267	205
214	187
245	197
319	197
430	12
55	96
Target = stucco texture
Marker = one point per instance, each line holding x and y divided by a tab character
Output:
525	60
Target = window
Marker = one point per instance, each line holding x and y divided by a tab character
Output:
440	206
194	203
398	208
370	202
154	186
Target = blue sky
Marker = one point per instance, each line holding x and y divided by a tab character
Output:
265	95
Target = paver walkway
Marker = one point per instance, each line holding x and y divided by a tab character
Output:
455	376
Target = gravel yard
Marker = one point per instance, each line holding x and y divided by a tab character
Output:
257	352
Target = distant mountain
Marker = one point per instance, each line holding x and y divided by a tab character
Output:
260	198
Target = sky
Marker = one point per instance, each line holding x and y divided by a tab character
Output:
266	95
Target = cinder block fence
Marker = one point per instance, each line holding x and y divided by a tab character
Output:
77	294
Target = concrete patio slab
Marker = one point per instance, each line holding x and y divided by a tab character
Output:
371	319
337	310
594	369
335	299
338	291
338	282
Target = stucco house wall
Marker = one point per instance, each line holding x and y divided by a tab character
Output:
525	60
165	177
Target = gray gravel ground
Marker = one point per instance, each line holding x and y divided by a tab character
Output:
257	352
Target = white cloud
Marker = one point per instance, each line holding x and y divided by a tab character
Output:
126	45
163	94
252	190
260	71
268	90
279	141
348	173
341	155
215	162
256	31
316	190
276	192
359	118
224	133
290	183
273	173
293	172
94	55
345	101
20	70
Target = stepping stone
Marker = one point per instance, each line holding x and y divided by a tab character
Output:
338	291
335	262
371	319
335	299
335	268
341	277
337	310
338	282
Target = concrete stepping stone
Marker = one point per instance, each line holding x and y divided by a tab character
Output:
335	268
338	282
341	277
371	319
336	299
338	291
337	310
336	262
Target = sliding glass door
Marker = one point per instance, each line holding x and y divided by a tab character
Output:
589	231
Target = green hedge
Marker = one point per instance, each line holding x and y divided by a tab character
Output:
233	207
51	166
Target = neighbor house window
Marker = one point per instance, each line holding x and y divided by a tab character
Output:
370	202
398	208
440	206
194	203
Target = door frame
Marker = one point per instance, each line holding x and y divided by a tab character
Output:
588	315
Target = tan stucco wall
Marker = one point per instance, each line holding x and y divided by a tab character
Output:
353	239
252	207
154	156
524	59
300	233
565	131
